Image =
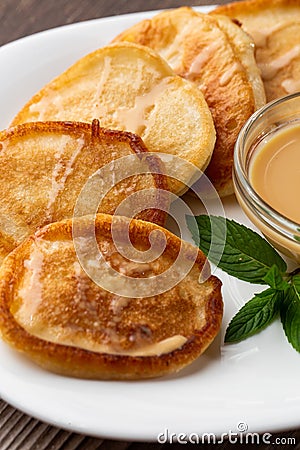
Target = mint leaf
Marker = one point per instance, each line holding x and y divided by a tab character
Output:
275	280
296	282
296	236
235	248
194	228
254	316
290	313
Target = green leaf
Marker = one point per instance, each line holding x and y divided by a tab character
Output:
235	248
296	236
193	227
275	279
290	313
254	316
296	282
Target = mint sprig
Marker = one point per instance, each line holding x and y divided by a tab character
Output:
244	254
290	313
255	315
274	278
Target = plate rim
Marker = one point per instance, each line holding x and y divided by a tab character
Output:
138	436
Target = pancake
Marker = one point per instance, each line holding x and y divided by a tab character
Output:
242	45
51	311
129	87
44	166
218	57
275	28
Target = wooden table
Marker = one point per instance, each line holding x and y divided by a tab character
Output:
20	18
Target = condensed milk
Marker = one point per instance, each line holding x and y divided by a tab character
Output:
274	171
266	173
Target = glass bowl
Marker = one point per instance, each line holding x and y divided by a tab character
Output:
281	232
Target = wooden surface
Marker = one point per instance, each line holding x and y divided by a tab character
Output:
23	17
20	18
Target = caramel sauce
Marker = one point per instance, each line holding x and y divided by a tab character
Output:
291	86
228	74
62	170
261	36
31	292
274	171
134	119
269	70
60	336
203	57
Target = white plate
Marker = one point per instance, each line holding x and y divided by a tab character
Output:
255	382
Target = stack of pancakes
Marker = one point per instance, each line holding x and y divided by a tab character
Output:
107	316
181	84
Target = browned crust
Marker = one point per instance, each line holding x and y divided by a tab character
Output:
95	131
242	7
86	364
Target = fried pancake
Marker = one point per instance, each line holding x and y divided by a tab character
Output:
212	54
275	28
242	45
130	87
55	314
43	167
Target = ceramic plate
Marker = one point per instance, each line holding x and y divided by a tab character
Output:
253	385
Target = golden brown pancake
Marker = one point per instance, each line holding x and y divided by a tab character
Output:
242	45
218	58
51	311
44	166
130	87
275	28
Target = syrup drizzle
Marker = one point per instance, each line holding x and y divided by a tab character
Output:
62	171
